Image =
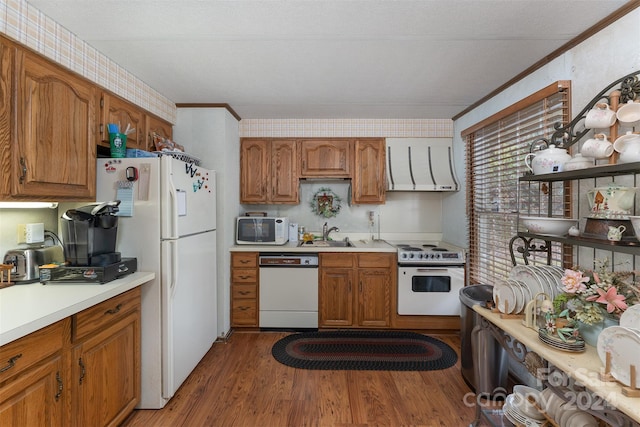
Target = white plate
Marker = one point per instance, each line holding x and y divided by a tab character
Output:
524	274
528	296
504	297
624	346
631	317
566	415
582	419
519	293
545	281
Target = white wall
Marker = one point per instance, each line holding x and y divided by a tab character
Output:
591	66
10	218
212	136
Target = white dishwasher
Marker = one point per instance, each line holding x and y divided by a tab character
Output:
288	290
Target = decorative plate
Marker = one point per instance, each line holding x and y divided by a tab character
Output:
631	317
325	203
624	346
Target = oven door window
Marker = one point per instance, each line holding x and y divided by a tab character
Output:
431	284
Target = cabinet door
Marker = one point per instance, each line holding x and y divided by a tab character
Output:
55	152
156	126
335	298
325	158
35	398
6	89
105	374
374	295
254	171
369	175
284	172
118	111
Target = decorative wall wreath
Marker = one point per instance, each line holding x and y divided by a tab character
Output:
325	203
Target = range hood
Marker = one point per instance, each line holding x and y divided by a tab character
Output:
420	164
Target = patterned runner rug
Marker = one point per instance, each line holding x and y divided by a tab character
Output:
364	350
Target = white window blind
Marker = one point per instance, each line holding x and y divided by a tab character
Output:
496	149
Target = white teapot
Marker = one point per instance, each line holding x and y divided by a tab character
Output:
628	145
549	160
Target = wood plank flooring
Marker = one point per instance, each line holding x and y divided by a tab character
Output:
238	383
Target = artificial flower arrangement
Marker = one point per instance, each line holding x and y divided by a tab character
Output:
588	296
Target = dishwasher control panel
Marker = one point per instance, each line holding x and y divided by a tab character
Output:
288	260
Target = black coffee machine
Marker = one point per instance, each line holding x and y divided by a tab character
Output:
89	235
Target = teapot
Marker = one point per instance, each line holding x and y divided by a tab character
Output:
611	201
548	160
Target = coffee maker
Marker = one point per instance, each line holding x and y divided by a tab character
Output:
89	235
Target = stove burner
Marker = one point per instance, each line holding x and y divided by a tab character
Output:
439	249
410	248
428	245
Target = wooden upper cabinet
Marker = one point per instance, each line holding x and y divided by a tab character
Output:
325	158
53	149
268	171
284	172
368	184
114	109
156	126
254	170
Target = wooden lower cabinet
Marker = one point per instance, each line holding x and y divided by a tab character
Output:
355	290
244	289
81	371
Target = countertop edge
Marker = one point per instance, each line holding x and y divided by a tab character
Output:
100	293
371	246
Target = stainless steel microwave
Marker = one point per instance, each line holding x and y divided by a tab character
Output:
262	230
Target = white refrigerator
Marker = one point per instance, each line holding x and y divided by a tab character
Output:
167	219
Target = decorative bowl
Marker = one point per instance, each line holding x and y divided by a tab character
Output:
546	225
635	222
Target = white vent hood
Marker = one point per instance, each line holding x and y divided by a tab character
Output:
420	164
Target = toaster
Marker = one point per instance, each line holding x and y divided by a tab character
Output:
26	261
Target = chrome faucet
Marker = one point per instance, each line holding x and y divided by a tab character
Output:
326	231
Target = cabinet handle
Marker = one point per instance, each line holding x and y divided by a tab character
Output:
360	287
114	310
243	292
244	261
243	308
60	387
23	167
349	285
245	277
11	363
83	371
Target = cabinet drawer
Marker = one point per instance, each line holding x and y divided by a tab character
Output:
376	260
336	260
96	317
244	260
20	354
245	312
244	275
244	291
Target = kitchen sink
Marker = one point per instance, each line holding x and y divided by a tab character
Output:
327	243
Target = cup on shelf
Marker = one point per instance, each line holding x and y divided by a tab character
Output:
598	147
600	117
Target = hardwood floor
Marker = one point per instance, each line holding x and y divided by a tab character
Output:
238	383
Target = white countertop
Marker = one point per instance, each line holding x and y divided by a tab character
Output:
583	367
358	246
26	308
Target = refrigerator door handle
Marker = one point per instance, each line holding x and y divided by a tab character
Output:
173	250
173	210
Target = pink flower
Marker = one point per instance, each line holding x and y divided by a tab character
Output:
574	282
611	298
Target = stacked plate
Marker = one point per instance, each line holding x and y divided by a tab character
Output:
631	317
623	344
514	414
565	414
523	284
574	345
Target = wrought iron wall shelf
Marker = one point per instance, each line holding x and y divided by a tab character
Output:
592	172
629	247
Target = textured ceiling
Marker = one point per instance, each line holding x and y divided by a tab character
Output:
328	59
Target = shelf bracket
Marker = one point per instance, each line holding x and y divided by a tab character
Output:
527	247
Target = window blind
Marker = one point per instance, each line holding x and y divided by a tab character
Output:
495	154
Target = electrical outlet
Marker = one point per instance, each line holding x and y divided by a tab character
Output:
31	233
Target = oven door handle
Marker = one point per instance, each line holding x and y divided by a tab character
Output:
432	270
